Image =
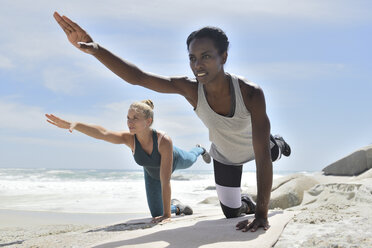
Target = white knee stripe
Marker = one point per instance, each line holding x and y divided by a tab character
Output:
229	196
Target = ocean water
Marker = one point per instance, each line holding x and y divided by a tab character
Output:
98	191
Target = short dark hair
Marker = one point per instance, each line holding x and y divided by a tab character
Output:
215	34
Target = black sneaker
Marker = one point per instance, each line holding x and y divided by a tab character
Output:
286	149
250	203
182	209
205	154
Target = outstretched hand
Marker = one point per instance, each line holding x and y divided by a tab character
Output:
56	121
76	35
245	225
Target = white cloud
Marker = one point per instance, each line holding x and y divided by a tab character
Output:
5	63
177	12
75	79
288	70
18	116
61	80
34	40
15	116
247	11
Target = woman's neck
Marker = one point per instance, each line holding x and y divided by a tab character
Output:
145	136
220	85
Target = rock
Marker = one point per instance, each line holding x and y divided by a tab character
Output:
211	200
252	190
282	180
353	164
210	188
364	175
291	192
338	195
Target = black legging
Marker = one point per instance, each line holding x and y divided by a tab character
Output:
228	180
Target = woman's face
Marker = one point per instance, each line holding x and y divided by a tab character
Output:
137	122
205	60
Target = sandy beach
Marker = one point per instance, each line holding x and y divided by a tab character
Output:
306	210
203	229
335	212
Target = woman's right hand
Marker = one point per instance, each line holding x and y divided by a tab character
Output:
161	219
56	121
76	35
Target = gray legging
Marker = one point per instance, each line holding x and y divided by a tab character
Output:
183	160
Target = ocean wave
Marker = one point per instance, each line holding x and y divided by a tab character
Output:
180	178
60	172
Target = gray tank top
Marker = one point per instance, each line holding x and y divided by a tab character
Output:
231	137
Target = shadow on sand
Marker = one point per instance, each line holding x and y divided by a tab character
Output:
201	233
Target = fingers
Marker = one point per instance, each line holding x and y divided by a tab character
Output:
72	24
241	224
56	121
253	226
52	123
161	219
52	117
62	23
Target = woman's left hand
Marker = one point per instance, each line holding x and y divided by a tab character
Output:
61	123
246	225
162	219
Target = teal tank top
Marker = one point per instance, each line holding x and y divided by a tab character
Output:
150	163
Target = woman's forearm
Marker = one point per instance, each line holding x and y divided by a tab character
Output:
264	174
91	130
124	69
166	192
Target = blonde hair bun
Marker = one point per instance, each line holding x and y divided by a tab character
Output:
149	103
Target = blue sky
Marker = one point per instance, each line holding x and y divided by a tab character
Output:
312	59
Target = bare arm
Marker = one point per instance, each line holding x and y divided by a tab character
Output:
261	145
135	76
124	69
255	102
92	130
166	151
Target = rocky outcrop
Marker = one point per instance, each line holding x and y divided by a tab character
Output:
353	164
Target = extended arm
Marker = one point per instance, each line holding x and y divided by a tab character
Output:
124	69
166	151
91	130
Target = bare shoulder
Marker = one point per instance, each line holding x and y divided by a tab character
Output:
128	138
248	87
188	87
252	93
164	142
163	138
184	83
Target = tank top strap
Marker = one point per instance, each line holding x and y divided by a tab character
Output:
161	135
240	105
155	139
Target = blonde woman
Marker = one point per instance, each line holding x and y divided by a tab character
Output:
151	149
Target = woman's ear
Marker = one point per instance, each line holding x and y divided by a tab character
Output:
224	57
148	122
